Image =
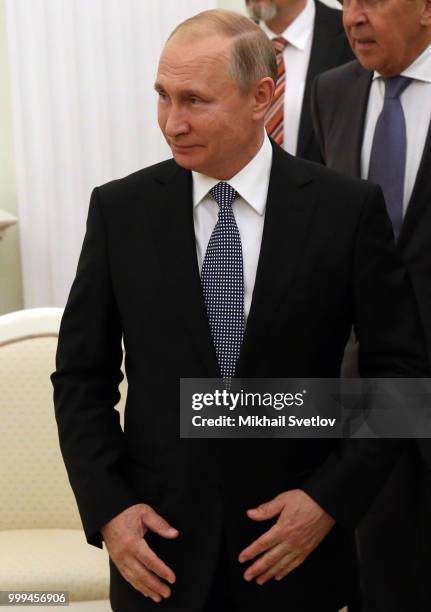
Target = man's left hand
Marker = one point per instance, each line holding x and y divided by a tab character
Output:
301	526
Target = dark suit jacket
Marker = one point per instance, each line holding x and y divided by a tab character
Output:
339	102
340	99
329	48
322	266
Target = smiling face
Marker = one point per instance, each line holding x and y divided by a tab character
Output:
210	124
387	35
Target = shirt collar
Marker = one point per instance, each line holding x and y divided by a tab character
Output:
251	182
300	30
419	70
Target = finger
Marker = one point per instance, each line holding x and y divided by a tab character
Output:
269	539
137	584
145	555
267	510
147	580
265	562
285	564
293	565
157	523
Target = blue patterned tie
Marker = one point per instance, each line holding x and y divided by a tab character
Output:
222	279
388	152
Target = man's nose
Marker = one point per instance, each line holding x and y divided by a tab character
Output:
353	13
176	123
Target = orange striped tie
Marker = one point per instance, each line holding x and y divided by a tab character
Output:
274	120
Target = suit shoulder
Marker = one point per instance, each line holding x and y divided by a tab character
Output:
342	196
341	74
138	180
332	185
323	174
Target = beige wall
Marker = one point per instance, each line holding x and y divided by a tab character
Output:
10	267
232	5
11	297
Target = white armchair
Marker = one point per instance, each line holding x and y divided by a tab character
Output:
42	544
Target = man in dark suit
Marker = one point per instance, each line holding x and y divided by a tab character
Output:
210	525
314	41
373	120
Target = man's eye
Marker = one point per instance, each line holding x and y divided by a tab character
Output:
194	100
162	95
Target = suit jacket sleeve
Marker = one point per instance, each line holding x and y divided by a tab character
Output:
86	383
391	345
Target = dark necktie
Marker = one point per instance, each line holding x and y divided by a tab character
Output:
222	279
274	120
388	152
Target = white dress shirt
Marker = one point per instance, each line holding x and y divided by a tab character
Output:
416	103
296	57
333	4
251	183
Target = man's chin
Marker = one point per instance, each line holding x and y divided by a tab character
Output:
187	158
185	161
367	56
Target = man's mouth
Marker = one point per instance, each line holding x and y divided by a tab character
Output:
364	43
179	147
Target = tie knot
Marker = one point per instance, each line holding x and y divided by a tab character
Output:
395	86
224	195
279	44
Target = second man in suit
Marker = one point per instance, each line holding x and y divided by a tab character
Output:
308	38
373	120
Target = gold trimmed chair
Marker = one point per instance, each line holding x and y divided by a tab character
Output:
42	544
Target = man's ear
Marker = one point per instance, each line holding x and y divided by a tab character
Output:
426	14
263	94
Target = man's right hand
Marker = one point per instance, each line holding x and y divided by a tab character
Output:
124	537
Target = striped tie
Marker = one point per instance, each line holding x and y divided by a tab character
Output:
274	120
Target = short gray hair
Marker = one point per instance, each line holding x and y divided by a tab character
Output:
253	57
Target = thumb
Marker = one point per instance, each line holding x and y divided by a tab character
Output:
267	510
154	522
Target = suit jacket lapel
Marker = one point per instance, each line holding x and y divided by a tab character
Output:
173	228
421	195
353	122
287	217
